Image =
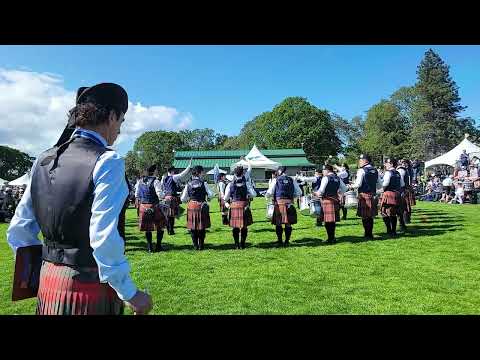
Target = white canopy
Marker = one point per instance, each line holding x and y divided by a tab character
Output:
211	172
257	160
451	157
3	181
22	180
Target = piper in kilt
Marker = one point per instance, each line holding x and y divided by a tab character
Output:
151	217
330	189
283	189
238	193
170	189
404	209
315	181
389	204
75	197
196	194
343	173
367	182
221	186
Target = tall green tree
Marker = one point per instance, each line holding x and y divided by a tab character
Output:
13	163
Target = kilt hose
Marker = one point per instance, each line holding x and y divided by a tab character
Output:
196	218
330	209
389	203
173	203
239	216
66	290
157	223
283	213
367	206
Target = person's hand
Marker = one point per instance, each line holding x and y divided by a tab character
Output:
141	303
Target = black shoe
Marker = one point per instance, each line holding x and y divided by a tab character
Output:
403	228
159	248
368	237
286	244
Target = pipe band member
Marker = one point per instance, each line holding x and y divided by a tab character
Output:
238	192
196	194
151	217
331	188
367	183
315	182
283	189
170	189
392	182
75	196
343	172
410	190
221	186
404	209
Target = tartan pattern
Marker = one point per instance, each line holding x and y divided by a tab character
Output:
330	209
173	203
66	290
159	222
281	215
389	203
411	197
404	205
367	206
196	218
239	216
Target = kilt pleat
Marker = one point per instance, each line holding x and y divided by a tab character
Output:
390	202
196	218
281	213
157	223
330	209
173	205
367	206
239	216
66	290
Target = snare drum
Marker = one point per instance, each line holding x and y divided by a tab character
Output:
315	207
468	186
305	205
270	209
351	200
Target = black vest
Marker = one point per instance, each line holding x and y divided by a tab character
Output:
394	184
146	190
62	196
370	179
170	186
406	177
316	184
284	187
332	186
239	189
196	190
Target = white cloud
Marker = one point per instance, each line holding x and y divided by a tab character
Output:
34	106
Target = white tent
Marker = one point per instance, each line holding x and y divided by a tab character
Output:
22	180
3	181
451	157
211	172
257	160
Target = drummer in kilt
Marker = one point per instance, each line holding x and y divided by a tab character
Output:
343	173
151	217
283	189
315	181
367	182
239	192
331	187
196	194
391	200
405	208
221	186
170	189
409	190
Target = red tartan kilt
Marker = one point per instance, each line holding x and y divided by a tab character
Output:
65	290
411	197
239	217
159	221
330	209
281	215
405	203
390	203
196	218
367	206
174	204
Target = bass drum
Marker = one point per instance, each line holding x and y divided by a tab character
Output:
315	207
351	200
305	205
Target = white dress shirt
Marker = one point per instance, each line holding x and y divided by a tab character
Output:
297	192
221	189
110	192
156	185
386	179
323	186
185	198
251	193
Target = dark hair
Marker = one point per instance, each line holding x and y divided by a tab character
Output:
282	169
197	170
345	165
319	169
171	169
328	167
91	114
150	170
391	161
238	171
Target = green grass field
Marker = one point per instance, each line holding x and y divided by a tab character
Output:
433	269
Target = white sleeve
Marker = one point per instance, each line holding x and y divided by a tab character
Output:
342	188
137	191
158	188
184	198
251	191
182	175
227	193
297	192
343	174
108	246
359	179
271	188
386	178
210	193
323	185
24	229
308	179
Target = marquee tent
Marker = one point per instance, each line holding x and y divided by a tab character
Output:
452	157
257	161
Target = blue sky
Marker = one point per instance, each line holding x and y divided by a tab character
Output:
222	87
